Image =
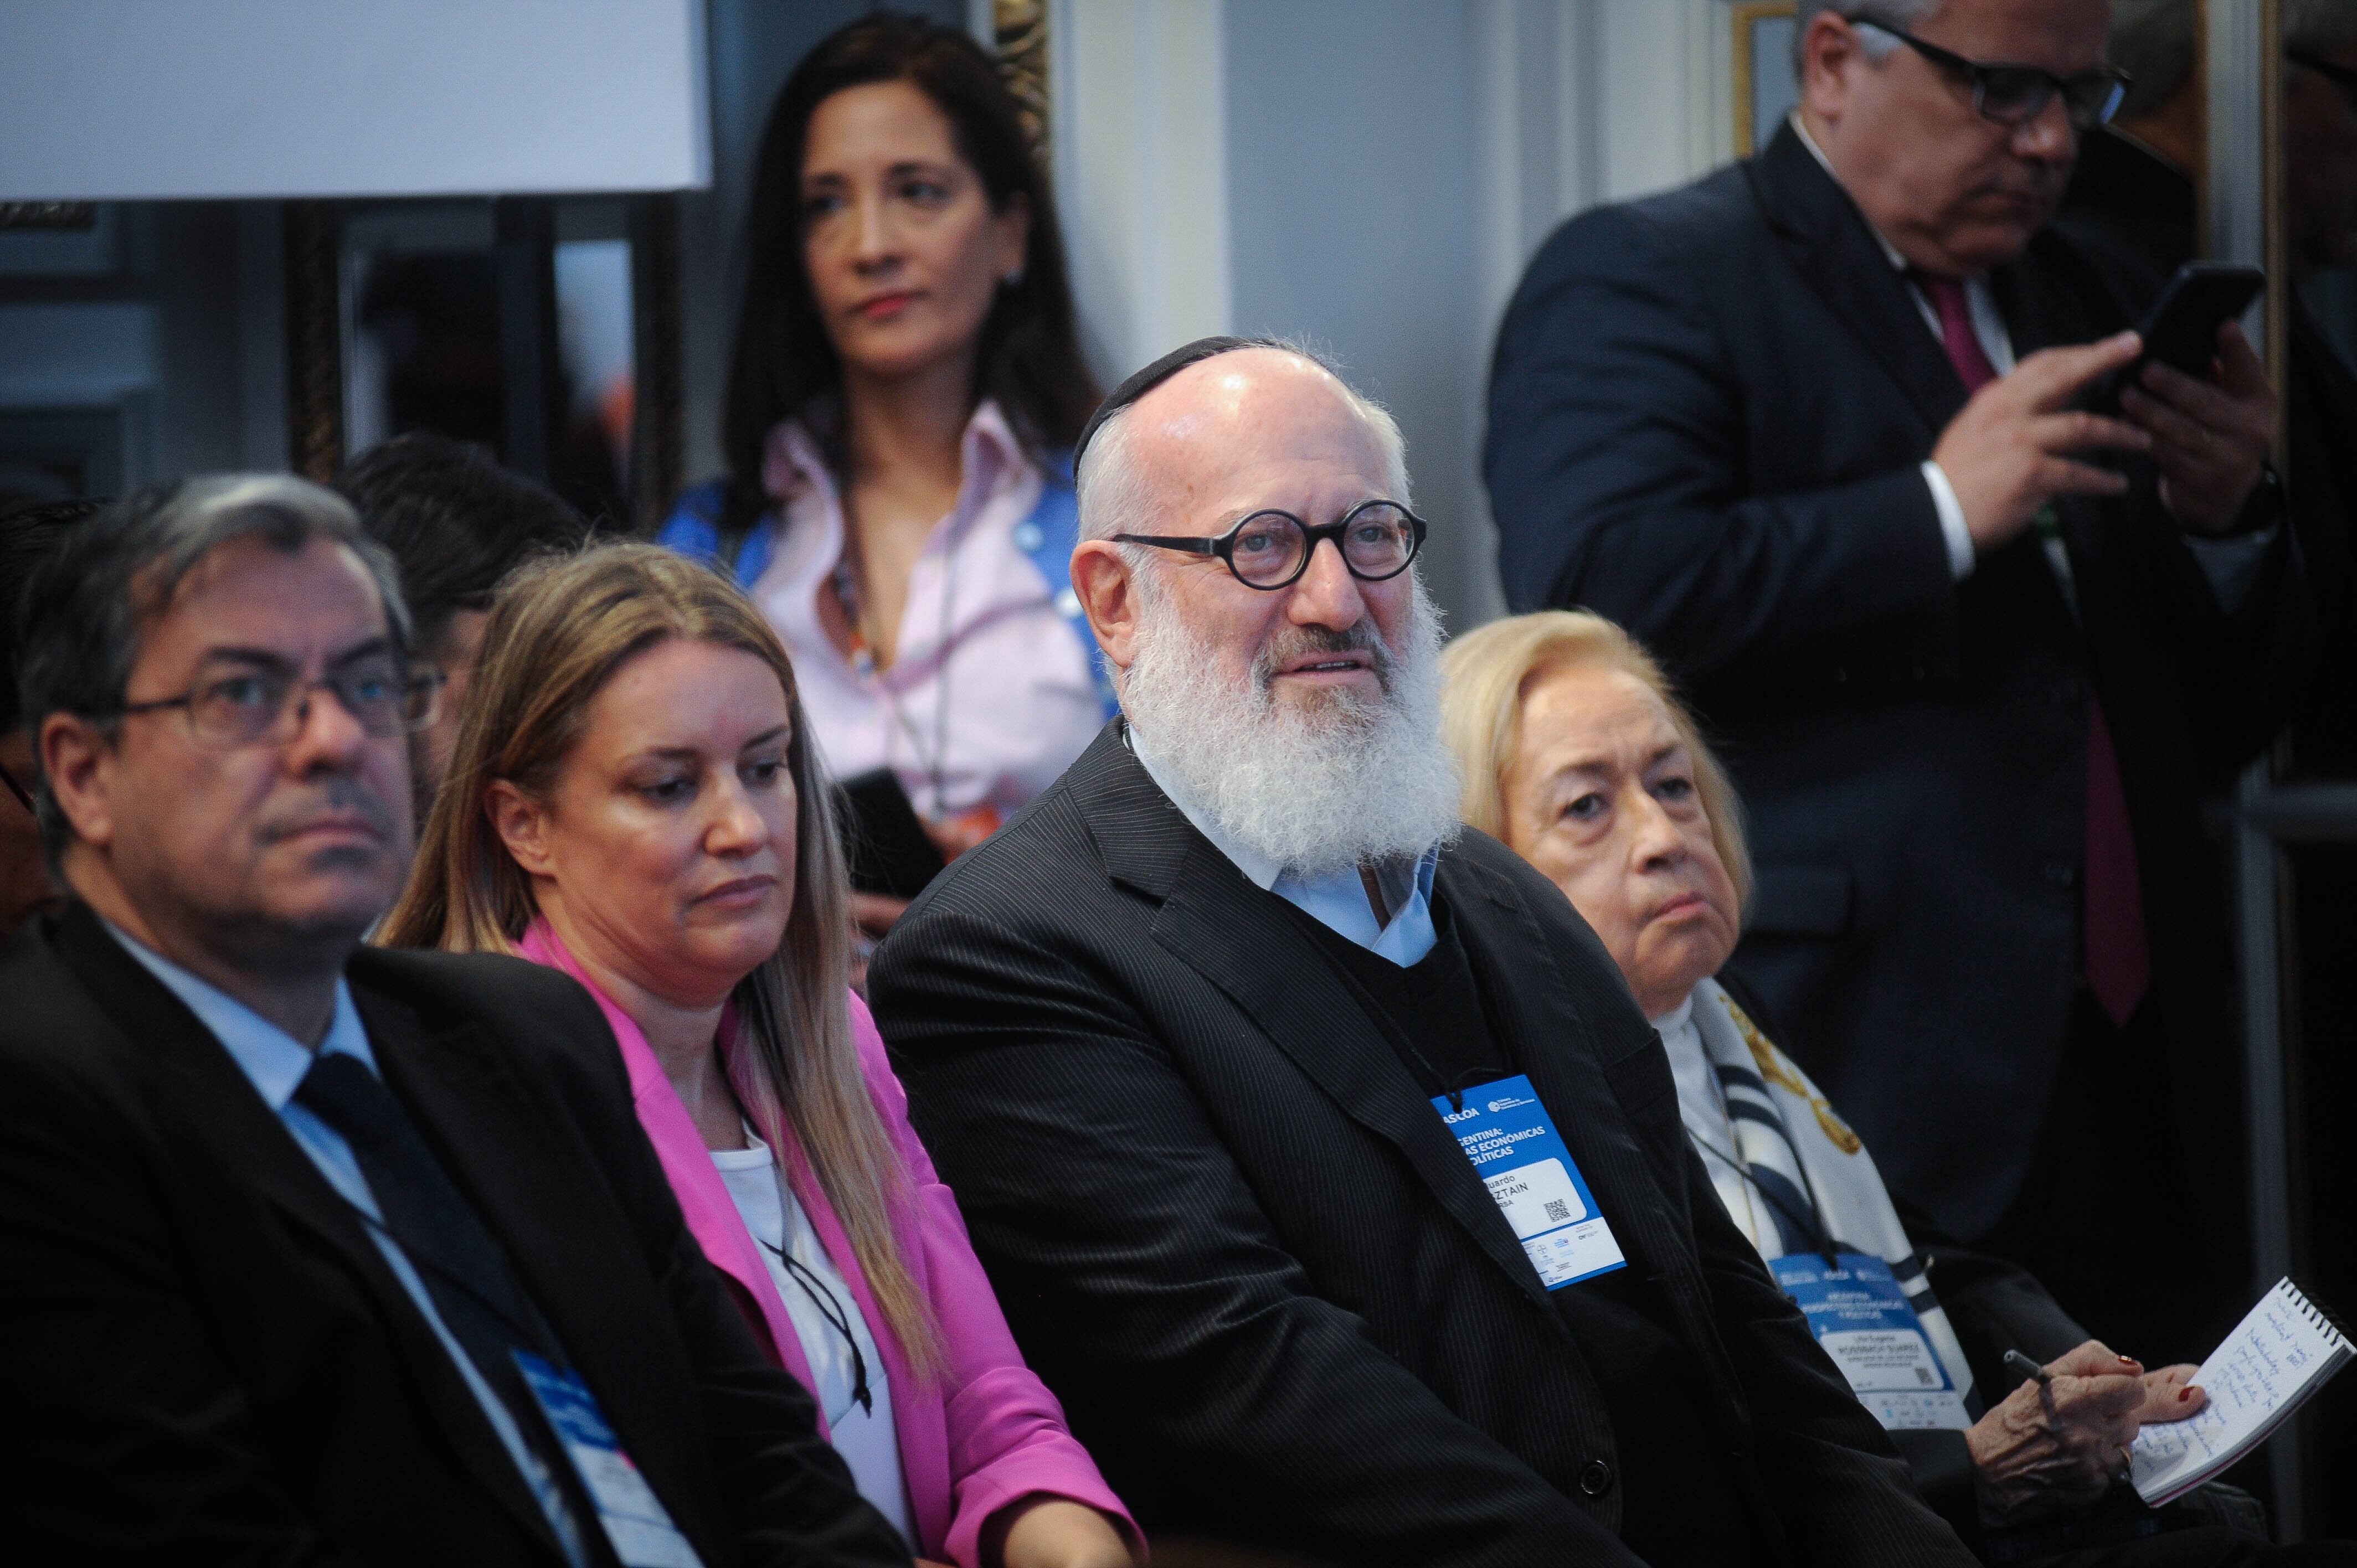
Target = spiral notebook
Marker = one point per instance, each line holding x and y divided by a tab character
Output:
2283	1351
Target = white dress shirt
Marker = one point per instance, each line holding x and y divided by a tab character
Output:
1338	900
275	1062
2232	565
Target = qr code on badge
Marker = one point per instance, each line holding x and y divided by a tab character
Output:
1923	1376
1558	1210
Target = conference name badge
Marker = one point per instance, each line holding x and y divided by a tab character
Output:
1863	1319
1521	1158
634	1519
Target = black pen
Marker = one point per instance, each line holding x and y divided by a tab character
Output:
2015	1361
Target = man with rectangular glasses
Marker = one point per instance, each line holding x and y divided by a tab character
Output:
312	1252
1815	428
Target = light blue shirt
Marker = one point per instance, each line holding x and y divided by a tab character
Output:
1337	900
275	1062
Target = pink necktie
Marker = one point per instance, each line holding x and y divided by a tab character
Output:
2114	954
1956	334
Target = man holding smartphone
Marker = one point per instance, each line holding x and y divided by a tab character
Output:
1813	429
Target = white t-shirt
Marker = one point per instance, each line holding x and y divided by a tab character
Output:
866	1438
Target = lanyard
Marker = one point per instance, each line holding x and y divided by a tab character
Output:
844	581
1810	1224
838	1318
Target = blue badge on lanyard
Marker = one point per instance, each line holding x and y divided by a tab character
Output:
635	1519
1521	1158
1864	1321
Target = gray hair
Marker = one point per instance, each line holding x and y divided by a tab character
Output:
2319	25
87	602
1116	497
1878	44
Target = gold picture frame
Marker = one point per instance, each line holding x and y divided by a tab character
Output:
1751	19
1020	28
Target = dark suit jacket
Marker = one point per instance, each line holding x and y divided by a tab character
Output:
204	1358
1230	1231
1707	416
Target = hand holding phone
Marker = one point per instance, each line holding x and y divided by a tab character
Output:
2201	392
2020	443
2180	330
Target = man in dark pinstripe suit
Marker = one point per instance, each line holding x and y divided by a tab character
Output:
1182	1037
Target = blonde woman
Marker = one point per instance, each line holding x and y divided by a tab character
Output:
635	800
1577	755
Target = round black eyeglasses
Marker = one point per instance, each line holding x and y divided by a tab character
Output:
1271	550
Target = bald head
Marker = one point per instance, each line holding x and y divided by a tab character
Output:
1299	715
1248	417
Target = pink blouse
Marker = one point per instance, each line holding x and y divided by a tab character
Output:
988	685
984	1431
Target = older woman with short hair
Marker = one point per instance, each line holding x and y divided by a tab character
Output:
1577	755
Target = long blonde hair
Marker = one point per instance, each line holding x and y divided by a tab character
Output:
560	629
1487	675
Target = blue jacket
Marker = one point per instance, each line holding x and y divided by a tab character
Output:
1047	536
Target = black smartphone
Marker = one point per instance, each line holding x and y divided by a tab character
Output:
2182	329
889	850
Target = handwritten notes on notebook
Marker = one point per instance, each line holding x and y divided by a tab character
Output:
2283	1351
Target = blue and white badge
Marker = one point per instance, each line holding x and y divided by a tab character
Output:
634	1518
1863	1320
1518	1156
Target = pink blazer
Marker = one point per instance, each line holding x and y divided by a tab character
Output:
984	1431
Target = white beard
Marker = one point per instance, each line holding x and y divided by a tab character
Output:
1314	788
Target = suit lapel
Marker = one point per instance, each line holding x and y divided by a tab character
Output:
208	1092
536	1191
1244	941
1540	1014
1827	241
1542	1024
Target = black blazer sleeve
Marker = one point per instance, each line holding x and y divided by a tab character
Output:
789	1493
133	1433
1616	467
1994	1304
1255	1391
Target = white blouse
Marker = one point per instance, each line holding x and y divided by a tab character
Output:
864	1437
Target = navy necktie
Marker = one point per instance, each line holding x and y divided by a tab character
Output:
463	1269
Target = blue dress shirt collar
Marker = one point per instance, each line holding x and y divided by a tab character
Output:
1337	900
272	1059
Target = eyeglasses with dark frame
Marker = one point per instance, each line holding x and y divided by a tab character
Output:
246	707
2013	95
18	790
1270	550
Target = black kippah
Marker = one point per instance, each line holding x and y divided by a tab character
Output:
1162	370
